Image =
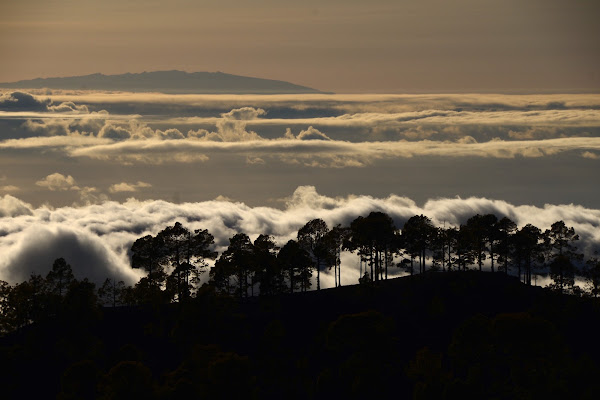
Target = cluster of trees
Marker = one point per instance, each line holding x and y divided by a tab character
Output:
175	258
499	244
39	298
472	335
483	240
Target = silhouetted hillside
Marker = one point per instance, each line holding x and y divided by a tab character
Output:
435	335
166	82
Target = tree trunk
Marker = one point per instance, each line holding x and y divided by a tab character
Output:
335	274
114	293
318	274
443	257
339	261
376	262
379	266
386	264
371	262
492	255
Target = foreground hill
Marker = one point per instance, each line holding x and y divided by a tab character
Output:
166	82
453	335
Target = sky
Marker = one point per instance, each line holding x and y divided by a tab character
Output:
344	46
443	108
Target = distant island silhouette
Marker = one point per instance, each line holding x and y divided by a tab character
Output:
176	82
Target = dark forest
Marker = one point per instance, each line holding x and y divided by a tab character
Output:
467	319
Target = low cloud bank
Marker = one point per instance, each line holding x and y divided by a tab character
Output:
310	147
314	149
95	239
22	101
336	132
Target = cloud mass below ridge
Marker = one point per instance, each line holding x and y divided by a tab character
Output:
95	239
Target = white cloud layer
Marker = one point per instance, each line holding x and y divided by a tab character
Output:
95	239
333	131
329	153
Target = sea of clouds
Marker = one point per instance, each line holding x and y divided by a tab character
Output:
328	131
95	239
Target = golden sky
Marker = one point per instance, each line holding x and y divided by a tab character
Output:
341	46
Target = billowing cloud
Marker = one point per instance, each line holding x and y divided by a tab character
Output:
36	248
312	134
22	101
12	207
58	181
244	113
590	155
86	125
95	238
128	187
114	132
255	160
228	130
67	107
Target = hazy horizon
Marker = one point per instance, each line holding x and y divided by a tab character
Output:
339	46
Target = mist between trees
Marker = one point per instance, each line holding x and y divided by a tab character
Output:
176	257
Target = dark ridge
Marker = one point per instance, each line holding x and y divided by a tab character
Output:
176	82
436	335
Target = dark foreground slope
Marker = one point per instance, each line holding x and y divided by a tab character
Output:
455	335
166	82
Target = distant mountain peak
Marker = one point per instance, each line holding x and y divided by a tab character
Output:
171	81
